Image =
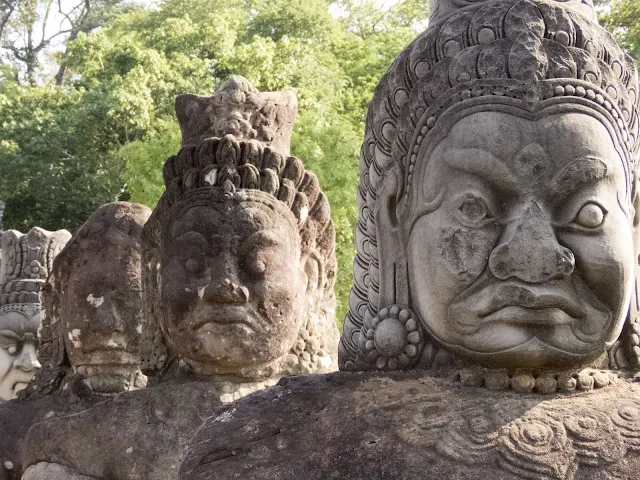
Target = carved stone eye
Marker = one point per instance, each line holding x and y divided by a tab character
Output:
591	215
473	209
257	266
193	265
12	349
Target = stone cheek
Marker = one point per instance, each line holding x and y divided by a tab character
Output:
461	250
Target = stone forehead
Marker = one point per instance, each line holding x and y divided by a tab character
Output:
207	205
559	135
523	51
21	318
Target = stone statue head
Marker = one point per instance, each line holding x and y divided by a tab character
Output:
27	260
93	304
239	254
499	196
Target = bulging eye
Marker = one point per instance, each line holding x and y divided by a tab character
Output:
194	265
591	215
12	349
473	209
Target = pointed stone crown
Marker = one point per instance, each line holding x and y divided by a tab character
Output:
238	109
30	256
441	9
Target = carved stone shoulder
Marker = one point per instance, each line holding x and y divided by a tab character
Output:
415	426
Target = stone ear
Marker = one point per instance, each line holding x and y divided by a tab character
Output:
153	350
389	277
314	271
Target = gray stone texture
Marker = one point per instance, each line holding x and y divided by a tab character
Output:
498	179
411	425
93	303
497	264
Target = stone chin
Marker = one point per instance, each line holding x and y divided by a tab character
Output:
531	354
226	346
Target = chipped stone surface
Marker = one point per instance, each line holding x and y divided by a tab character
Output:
94	305
139	435
17	416
497	177
414	426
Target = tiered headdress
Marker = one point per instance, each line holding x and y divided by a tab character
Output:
27	259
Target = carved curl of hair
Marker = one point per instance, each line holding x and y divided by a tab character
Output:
247	165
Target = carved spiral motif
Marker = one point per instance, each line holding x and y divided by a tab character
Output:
471	438
537	449
561	440
392	339
627	418
595	438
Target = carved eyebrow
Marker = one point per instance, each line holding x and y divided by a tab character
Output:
193	238
483	164
263	237
9	334
575	175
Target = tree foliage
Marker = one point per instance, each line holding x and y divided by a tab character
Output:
104	132
623	18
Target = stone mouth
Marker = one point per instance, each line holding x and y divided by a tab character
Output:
528	298
223	315
551	304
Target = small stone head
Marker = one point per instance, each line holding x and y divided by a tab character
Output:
93	301
26	263
500	196
239	262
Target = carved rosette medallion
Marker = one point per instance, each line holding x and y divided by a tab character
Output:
392	339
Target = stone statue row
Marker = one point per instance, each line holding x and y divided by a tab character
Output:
223	289
493	326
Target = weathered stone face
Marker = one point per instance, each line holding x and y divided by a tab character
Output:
239	260
101	304
233	287
530	241
498	183
18	359
94	302
27	260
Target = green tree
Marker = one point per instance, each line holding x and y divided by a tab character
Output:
623	18
112	120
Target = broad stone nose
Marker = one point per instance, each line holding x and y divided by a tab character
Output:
225	287
226	291
27	361
531	251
